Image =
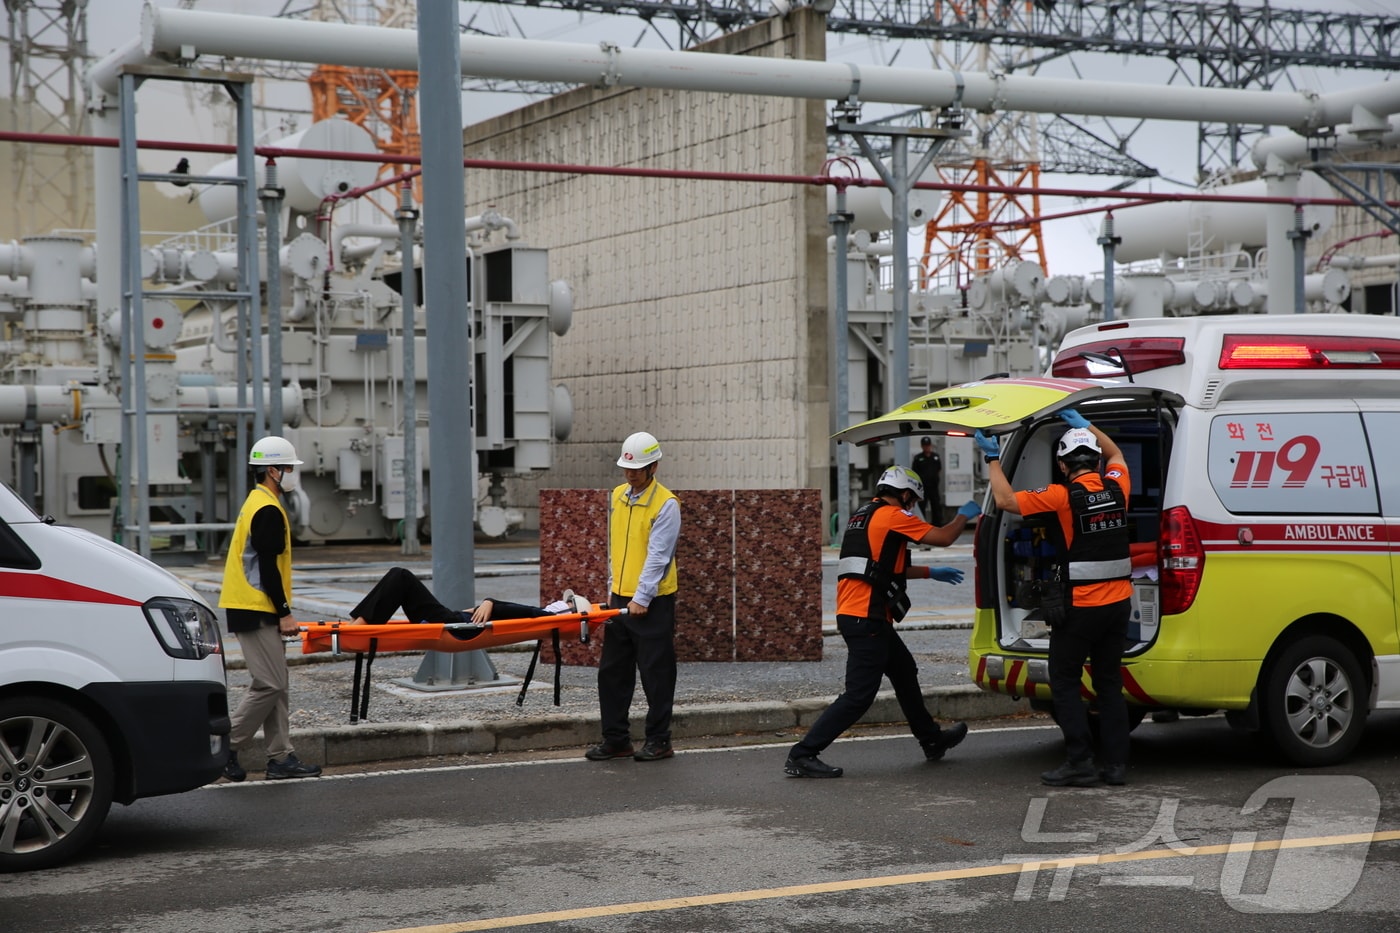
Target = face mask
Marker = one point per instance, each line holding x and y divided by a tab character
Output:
287	480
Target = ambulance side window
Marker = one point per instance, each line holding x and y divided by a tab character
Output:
1293	463
14	553
1383	431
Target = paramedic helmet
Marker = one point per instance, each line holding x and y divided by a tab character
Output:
1077	445
639	450
273	451
896	479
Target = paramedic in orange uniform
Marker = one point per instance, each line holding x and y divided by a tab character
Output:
1092	510
870	599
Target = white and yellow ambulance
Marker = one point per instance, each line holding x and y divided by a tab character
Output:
1264	510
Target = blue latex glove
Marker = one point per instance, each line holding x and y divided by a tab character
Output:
970	510
945	574
989	446
1074	419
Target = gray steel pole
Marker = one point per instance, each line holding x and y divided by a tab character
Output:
408	291
247	246
271	195
451	459
1109	242
841	227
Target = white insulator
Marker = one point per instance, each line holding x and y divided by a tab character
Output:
561	411
1064	289
873	208
306	181
55	273
1124	291
1154	231
305	257
1331	286
201	265
495	522
1247	296
348	468
561	307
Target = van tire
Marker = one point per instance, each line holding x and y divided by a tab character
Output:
27	797
1314	701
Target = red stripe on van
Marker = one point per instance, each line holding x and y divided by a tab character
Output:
1361	535
40	586
1134	689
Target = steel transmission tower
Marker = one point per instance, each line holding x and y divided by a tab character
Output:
47	45
967	235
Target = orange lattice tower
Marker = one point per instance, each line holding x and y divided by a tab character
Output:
385	102
977	231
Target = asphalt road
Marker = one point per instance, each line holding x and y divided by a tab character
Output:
718	839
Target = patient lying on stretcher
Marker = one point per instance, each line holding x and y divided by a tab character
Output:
399	589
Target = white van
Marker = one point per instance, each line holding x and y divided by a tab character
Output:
111	685
1264	510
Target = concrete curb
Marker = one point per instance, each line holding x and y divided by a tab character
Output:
366	742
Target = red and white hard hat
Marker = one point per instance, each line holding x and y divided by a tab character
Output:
639	450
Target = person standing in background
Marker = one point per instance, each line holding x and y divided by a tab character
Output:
929	467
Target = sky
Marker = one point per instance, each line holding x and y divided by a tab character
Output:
1070	244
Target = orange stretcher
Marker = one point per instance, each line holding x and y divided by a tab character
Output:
364	641
451	636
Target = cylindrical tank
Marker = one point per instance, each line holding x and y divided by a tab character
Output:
307	181
1165	229
874	208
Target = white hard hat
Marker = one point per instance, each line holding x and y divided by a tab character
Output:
273	451
639	450
1076	438
898	477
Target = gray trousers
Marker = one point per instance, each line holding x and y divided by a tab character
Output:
265	706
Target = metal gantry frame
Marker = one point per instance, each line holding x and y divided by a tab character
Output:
133	471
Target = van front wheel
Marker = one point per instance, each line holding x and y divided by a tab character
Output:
1314	703
56	780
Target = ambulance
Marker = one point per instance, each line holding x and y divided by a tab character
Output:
1264	512
112	685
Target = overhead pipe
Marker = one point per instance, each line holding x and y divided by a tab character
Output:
186	34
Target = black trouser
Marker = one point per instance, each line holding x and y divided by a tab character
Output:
400	588
646	644
874	650
1095	633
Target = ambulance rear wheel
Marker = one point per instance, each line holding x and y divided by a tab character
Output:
1315	701
56	780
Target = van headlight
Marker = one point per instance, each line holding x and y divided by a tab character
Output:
185	629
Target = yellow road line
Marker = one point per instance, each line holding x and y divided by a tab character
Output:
889	881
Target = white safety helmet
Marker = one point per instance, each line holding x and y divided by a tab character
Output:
273	451
639	450
1074	440
898	477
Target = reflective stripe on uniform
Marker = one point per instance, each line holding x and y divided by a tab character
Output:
1101	569
855	566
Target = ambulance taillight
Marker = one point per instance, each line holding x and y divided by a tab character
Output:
1137	355
1315	352
1183	560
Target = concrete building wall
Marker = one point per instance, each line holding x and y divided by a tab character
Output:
700	306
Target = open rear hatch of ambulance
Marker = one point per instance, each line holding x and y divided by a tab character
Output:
1012	550
997	406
